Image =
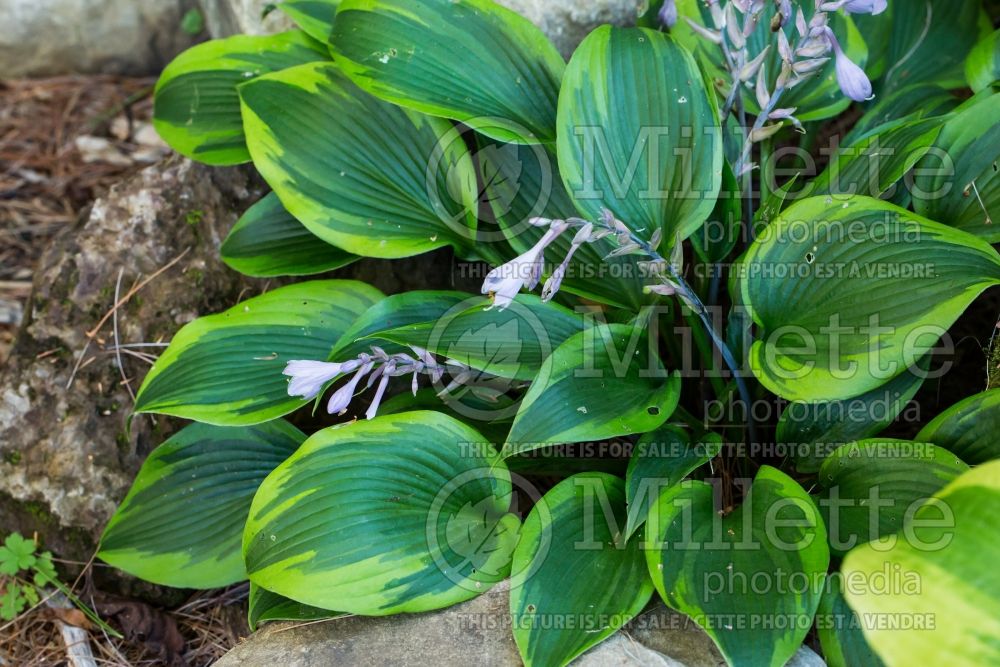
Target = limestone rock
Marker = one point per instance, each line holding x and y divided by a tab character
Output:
475	632
47	37
566	22
65	456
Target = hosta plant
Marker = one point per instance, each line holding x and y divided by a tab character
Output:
680	376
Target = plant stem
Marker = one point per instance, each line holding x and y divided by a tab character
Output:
690	298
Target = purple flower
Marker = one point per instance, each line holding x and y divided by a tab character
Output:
668	14
505	281
308	377
852	79
873	7
555	280
341	398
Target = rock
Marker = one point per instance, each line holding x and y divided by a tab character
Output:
566	22
621	650
242	17
66	458
46	37
475	632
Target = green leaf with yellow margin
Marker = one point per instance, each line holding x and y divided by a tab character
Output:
946	579
575	580
196	108
181	524
226	369
267	241
469	60
848	295
704	565
638	133
360	173
604	382
429	530
314	17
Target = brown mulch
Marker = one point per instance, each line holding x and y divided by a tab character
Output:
209	624
63	141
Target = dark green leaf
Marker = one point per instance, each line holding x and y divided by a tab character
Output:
197	108
970	429
469	60
267	241
265	607
662	458
402	513
703	564
871	486
572	563
509	343
812	431
570	400
632	104
226	369
362	174
181	524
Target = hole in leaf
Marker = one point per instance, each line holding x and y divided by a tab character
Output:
653	410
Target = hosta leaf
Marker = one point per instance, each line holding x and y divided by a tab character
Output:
509	343
661	459
839	629
812	431
717	238
832	287
403	513
947	558
701	562
267	241
521	183
872	485
982	67
314	17
392	312
930	41
265	606
196	107
631	104
181	524
963	189
970	429
363	174
815	98
469	60
873	164
572	563
226	369
922	100
568	401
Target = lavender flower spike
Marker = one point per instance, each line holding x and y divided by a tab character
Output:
505	281
873	7
668	14
342	397
852	79
309	377
555	280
